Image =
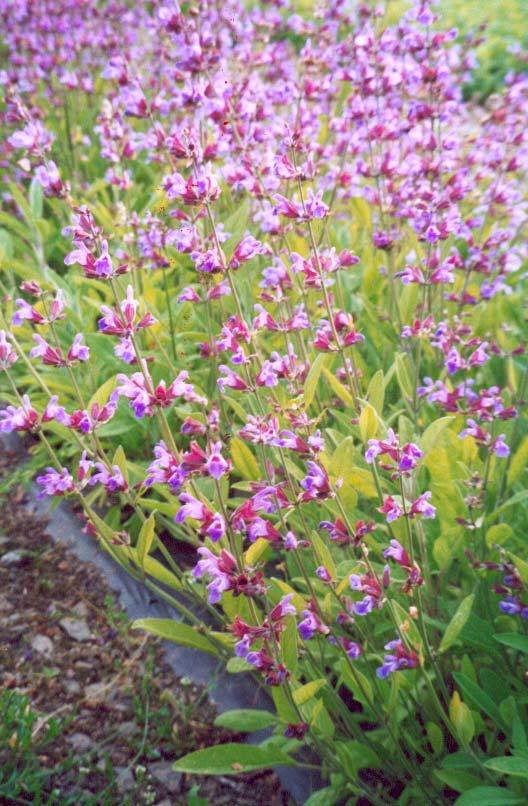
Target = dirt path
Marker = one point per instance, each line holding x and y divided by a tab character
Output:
89	711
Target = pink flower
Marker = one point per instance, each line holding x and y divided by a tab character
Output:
23	418
8	356
316	484
248	248
391	509
398	553
78	351
230	379
26	312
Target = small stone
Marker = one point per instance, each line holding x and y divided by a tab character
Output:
80	609
80	742
97	692
127	729
163	774
71	687
11	559
13	622
5	605
82	665
124	779
4	540
43	645
76	629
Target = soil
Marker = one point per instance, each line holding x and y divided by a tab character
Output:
111	715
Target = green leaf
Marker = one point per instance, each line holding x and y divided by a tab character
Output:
498	534
435	736
243	460
479	698
146	536
368	423
284	708
322	554
231	759
288	644
323	797
175	631
509	765
433	432
308	691
521	566
356	682
514	640
237	224
238	665
462	719
376	391
519	740
120	460
338	388
237	408
153	568
256	550
103	393
458	780
489	796
321	721
312	379
518	498
7	248
519	462
245	720
35	198
457	623
341	461
403	374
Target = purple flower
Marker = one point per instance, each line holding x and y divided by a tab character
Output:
323	574
402	658
500	448
216	464
55	483
310	625
423	507
398	553
78	351
219	568
113	480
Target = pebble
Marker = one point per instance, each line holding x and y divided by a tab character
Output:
80	742
163	774
127	729
13	622
71	686
43	645
80	609
124	779
76	628
13	558
5	605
